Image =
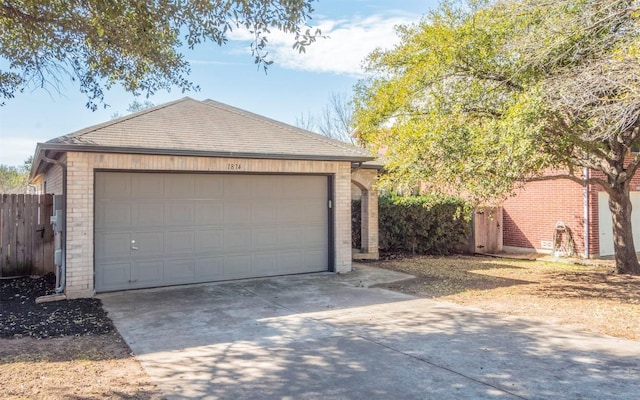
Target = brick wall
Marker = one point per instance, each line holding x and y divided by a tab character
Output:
80	191
51	182
531	215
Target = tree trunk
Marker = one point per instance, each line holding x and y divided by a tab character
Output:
625	251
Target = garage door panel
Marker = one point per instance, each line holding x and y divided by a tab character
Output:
264	213
237	187
289	262
315	261
265	264
207	227
315	212
290	187
263	188
147	273
113	276
179	213
148	213
178	271
112	187
113	245
314	236
237	213
237	266
264	238
209	240
209	213
237	239
313	188
210	187
182	242
147	186
209	269
179	186
113	215
148	244
290	212
289	237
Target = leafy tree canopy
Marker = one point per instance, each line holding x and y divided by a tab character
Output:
480	96
134	43
14	180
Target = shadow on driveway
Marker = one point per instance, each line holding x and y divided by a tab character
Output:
329	336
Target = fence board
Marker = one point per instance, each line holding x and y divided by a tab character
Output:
13	239
24	249
4	231
47	238
35	245
23	260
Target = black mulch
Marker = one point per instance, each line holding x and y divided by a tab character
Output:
20	316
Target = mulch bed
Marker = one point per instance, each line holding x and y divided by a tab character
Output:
20	316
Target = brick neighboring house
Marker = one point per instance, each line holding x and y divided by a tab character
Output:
531	215
198	191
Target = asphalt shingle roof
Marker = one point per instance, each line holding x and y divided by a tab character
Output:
207	127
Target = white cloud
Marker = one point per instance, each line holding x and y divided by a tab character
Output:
347	45
14	151
211	62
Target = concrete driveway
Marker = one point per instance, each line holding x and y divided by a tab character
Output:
326	336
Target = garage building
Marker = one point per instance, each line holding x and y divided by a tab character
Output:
198	191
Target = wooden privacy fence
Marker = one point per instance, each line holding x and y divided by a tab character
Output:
26	236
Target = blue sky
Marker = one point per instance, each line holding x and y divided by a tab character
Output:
295	83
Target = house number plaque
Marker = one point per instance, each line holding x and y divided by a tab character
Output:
234	167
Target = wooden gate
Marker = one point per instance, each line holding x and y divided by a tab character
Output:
26	237
487	230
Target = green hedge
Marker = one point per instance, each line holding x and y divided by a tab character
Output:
418	224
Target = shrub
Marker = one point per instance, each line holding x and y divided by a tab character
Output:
418	224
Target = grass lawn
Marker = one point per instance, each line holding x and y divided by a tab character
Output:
589	298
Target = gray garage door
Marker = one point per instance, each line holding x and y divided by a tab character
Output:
158	229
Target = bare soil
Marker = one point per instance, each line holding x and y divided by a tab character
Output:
64	349
589	298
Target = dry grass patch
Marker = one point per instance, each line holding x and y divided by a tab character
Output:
72	368
590	298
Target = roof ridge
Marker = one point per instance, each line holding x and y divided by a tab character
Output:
112	122
283	125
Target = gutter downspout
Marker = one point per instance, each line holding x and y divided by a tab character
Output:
61	272
585	174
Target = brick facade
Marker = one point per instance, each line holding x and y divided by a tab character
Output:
530	217
364	180
531	214
81	168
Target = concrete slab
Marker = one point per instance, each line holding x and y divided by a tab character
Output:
330	336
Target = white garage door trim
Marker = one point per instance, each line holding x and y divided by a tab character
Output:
158	229
605	223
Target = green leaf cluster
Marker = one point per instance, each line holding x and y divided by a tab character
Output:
14	180
480	96
132	43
